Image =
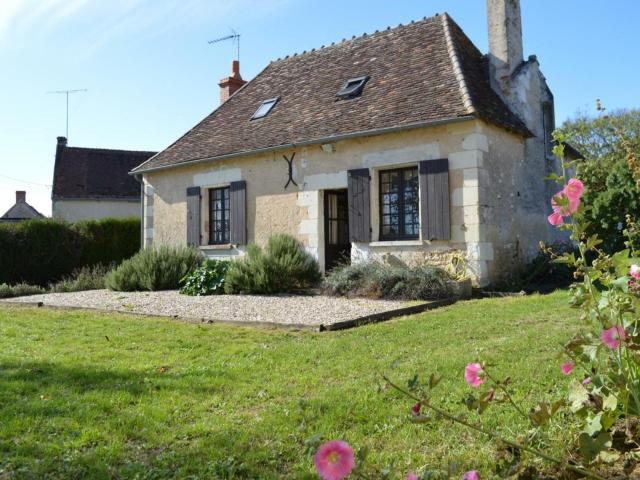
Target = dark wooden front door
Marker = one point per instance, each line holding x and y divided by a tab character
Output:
337	246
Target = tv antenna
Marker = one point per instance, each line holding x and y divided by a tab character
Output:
235	37
67	92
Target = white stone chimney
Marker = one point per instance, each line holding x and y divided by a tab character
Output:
505	41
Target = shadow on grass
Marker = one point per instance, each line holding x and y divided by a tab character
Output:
88	422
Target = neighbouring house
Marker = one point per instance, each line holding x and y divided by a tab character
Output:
405	145
21	210
94	183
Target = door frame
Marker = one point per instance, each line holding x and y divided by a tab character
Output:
325	222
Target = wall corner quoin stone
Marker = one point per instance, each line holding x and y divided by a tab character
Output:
466	159
476	141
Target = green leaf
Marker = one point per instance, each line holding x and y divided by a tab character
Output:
434	380
578	396
609	456
593	425
610	403
591	447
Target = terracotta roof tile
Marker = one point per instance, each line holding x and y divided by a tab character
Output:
412	81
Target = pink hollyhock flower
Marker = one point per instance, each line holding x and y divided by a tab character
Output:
574	189
586	381
634	271
565	210
612	337
555	219
471	475
334	460
472	374
411	476
415	410
566	368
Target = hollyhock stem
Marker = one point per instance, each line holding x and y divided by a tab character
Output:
506	392
426	403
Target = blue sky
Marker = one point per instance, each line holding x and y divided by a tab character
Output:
151	74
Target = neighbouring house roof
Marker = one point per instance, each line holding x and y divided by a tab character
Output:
425	72
20	211
95	173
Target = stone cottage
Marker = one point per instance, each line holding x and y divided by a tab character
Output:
404	145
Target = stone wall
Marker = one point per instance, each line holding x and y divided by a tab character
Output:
76	210
483	163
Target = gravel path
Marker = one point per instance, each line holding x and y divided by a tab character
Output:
311	310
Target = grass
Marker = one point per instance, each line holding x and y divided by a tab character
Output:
88	395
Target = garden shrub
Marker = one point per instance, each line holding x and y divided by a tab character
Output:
283	266
207	279
43	251
85	278
109	240
377	280
20	290
154	269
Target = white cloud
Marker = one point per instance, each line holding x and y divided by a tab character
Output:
114	18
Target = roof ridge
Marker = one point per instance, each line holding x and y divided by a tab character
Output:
455	63
389	28
97	149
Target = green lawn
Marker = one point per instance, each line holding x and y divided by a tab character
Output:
87	395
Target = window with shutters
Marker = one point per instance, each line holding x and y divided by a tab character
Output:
219	224
399	204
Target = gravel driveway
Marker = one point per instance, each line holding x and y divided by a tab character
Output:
291	310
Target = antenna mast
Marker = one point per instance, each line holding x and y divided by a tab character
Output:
235	37
67	92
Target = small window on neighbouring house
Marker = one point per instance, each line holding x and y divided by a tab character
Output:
352	88
548	124
265	108
399	204
219	225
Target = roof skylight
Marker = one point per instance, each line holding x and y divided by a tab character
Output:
352	88
264	109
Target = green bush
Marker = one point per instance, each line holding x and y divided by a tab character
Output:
43	251
109	240
376	280
85	278
207	279
20	290
153	269
611	192
283	266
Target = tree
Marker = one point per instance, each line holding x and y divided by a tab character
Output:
611	191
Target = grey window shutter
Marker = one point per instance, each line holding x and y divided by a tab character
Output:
238	212
359	198
434	199
193	216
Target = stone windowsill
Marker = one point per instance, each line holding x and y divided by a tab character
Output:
226	246
397	243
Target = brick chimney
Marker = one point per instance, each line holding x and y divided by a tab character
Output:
62	141
504	19
231	84
21	196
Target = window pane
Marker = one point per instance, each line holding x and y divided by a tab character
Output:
219	216
399	209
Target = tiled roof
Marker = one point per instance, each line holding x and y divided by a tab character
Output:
424	72
21	211
93	173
